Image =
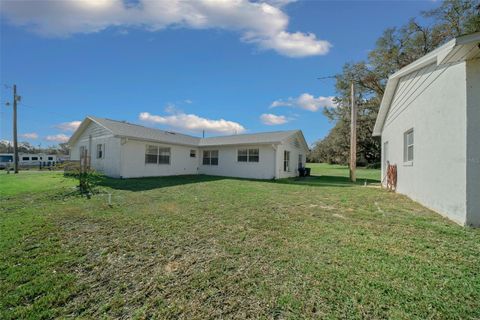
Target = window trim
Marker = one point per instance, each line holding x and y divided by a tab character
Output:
286	162
102	151
406	147
158	155
247	155
210	157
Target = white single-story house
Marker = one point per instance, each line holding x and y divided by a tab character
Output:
124	150
429	123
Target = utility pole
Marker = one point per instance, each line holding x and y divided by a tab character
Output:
15	142
353	136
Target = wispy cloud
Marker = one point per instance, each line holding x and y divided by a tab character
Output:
58	138
193	122
69	126
271	119
305	101
264	23
30	135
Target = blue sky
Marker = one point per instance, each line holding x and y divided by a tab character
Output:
183	70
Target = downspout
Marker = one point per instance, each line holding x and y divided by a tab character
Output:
123	141
274	146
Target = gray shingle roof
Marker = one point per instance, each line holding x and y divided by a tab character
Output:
253	138
125	129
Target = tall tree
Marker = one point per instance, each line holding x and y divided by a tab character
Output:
396	48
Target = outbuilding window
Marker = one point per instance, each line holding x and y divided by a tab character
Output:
100	151
286	161
157	155
210	157
408	146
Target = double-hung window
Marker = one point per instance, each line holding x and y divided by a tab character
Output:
210	157
248	155
286	161
100	151
157	155
253	155
408	146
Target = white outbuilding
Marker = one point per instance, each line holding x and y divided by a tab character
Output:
429	123
124	150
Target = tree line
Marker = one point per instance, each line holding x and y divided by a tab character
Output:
26	147
396	48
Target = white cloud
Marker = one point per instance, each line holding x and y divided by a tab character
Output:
193	122
262	23
69	126
305	101
273	119
58	138
31	135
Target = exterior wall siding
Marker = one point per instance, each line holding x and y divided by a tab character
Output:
133	160
473	143
109	164
228	164
432	102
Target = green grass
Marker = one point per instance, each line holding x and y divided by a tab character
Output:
333	170
32	182
197	247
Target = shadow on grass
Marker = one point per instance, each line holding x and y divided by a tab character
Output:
149	183
327	181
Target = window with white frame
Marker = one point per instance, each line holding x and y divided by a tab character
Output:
163	155
286	161
253	155
248	155
193	153
242	155
408	146
157	155
210	157
100	151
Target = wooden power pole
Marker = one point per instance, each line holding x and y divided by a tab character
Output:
15	142
353	136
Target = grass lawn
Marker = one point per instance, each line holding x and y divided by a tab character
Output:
197	247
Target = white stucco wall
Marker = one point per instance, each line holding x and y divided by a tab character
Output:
433	103
228	164
473	143
133	160
110	163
